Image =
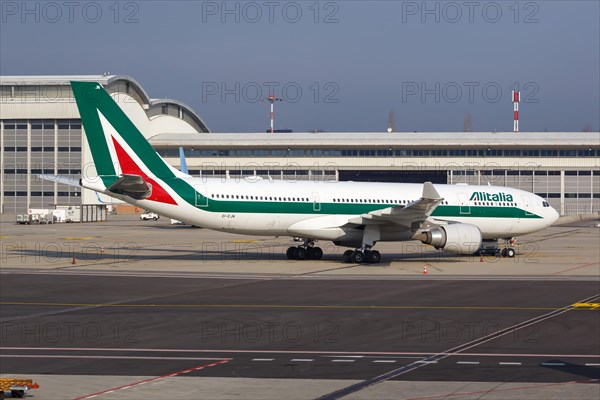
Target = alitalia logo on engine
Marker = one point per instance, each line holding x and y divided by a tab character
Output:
484	196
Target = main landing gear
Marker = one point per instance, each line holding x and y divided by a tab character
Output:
307	251
362	256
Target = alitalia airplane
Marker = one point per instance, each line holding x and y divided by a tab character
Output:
461	219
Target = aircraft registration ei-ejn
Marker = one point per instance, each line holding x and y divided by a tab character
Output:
461	219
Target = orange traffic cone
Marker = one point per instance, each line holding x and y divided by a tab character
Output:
424	269
73	261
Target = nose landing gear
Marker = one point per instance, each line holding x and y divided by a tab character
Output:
508	251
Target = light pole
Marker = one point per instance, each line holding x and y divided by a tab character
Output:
272	100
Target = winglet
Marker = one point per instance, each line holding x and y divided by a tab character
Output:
430	192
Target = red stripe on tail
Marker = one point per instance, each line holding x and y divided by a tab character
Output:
128	166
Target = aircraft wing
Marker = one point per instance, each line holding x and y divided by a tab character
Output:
412	216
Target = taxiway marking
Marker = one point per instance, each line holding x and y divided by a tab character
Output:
109	357
176	373
576	267
453	351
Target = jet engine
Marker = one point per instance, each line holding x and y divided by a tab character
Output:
454	238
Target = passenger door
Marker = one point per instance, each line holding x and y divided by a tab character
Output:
465	206
201	196
316	202
527	205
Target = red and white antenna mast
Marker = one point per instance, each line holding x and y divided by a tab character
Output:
516	99
272	100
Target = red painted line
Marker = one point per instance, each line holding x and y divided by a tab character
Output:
184	371
501	390
577	267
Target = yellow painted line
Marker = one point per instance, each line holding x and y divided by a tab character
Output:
77	238
589	306
5	237
280	306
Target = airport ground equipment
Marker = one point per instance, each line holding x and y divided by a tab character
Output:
149	215
24	219
17	387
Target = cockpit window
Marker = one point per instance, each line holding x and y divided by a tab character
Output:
545	204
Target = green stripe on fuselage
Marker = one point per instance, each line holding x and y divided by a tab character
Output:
285	207
482	212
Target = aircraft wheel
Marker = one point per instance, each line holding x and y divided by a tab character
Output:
374	257
510	252
300	253
347	257
503	252
358	257
317	253
290	253
310	253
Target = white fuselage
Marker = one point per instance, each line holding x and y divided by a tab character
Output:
232	206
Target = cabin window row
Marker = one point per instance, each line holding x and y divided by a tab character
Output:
264	198
376	201
491	203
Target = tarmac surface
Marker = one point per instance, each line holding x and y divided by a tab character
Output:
126	308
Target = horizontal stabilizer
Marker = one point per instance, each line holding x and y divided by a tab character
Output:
65	180
133	186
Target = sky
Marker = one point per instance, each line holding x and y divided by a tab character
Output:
336	65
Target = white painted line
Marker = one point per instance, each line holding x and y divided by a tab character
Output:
549	364
343	360
592	364
302	359
509	363
426	362
263	359
106	357
342	356
384	361
468	362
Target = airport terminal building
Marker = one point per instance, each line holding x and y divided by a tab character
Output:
42	133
